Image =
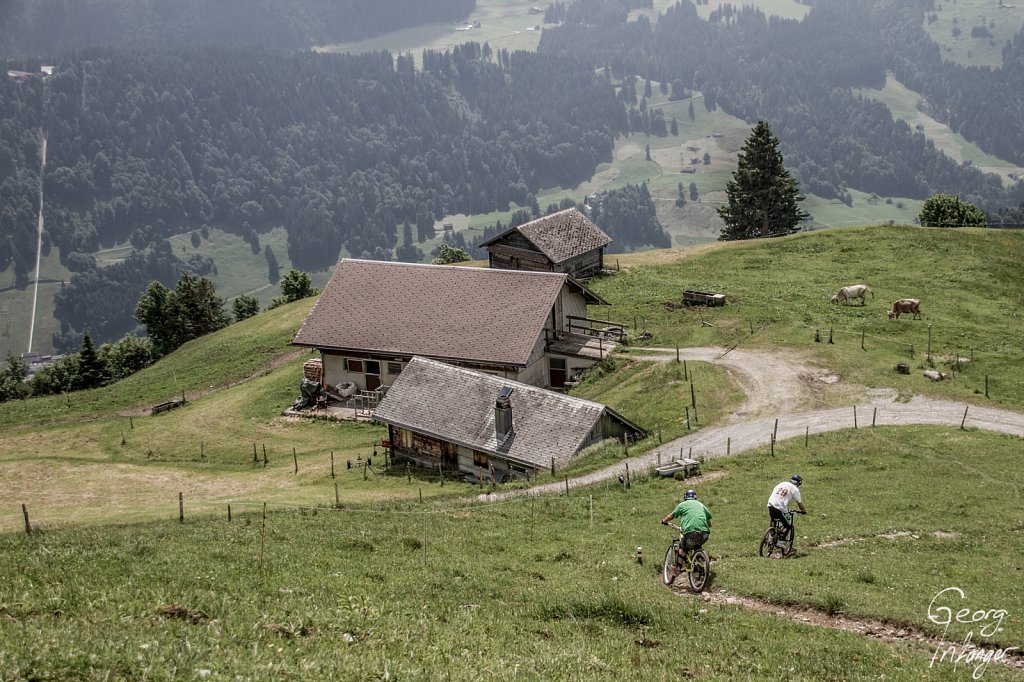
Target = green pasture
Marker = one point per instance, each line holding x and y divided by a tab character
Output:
1003	20
545	588
778	291
16	307
504	25
902	102
864	210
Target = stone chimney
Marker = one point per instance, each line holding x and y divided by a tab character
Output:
503	414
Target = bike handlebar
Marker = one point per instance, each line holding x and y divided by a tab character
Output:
674	526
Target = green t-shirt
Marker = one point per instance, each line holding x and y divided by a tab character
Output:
692	516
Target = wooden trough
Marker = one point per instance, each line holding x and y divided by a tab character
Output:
164	407
693	297
686	465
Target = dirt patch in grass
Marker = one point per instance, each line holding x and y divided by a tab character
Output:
194	616
896	535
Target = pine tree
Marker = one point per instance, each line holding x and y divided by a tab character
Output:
91	371
763	198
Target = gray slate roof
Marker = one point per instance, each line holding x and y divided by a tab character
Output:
561	236
441	311
456	404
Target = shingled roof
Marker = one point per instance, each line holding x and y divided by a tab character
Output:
456	405
440	311
560	236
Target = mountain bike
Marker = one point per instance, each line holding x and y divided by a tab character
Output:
773	542
694	562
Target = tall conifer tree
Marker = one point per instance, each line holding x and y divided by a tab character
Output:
763	198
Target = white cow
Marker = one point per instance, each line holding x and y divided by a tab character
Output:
853	291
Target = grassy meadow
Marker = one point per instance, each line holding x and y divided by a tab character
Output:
545	589
354	577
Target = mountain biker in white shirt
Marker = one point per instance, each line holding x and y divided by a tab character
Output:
778	504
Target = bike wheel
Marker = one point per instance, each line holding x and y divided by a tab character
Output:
700	567
768	542
787	548
669	570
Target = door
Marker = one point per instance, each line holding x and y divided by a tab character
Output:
372	375
556	372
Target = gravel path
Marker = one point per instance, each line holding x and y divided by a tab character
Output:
779	385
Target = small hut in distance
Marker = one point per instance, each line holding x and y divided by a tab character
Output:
566	241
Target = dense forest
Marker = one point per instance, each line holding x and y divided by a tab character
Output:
48	27
799	75
144	144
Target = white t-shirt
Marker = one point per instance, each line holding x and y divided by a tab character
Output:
783	493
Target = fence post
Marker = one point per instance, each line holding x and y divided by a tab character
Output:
964	420
627	475
263	538
728	446
686	374
337	497
552	466
874	413
775	431
862	339
567	486
591	511
28	526
687	417
773	445
295	458
929	342
854	416
830	335
255	458
807	433
440	474
229	513
332	463
986	386
677	352
181	507
265	460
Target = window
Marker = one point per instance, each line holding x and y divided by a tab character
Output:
372	367
394	368
354	365
480	459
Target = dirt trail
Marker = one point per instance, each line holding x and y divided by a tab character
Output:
776	384
875	629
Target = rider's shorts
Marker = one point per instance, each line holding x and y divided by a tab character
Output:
784	516
694	539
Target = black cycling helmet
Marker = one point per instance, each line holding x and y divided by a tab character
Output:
796	479
690	495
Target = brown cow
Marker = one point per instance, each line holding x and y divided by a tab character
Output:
905	305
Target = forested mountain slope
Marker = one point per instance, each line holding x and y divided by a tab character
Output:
339	149
46	27
798	75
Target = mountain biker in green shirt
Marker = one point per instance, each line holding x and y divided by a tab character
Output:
694	520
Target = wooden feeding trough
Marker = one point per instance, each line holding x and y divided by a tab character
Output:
686	466
693	297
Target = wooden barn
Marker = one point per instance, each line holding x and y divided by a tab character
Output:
566	241
374	316
489	428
